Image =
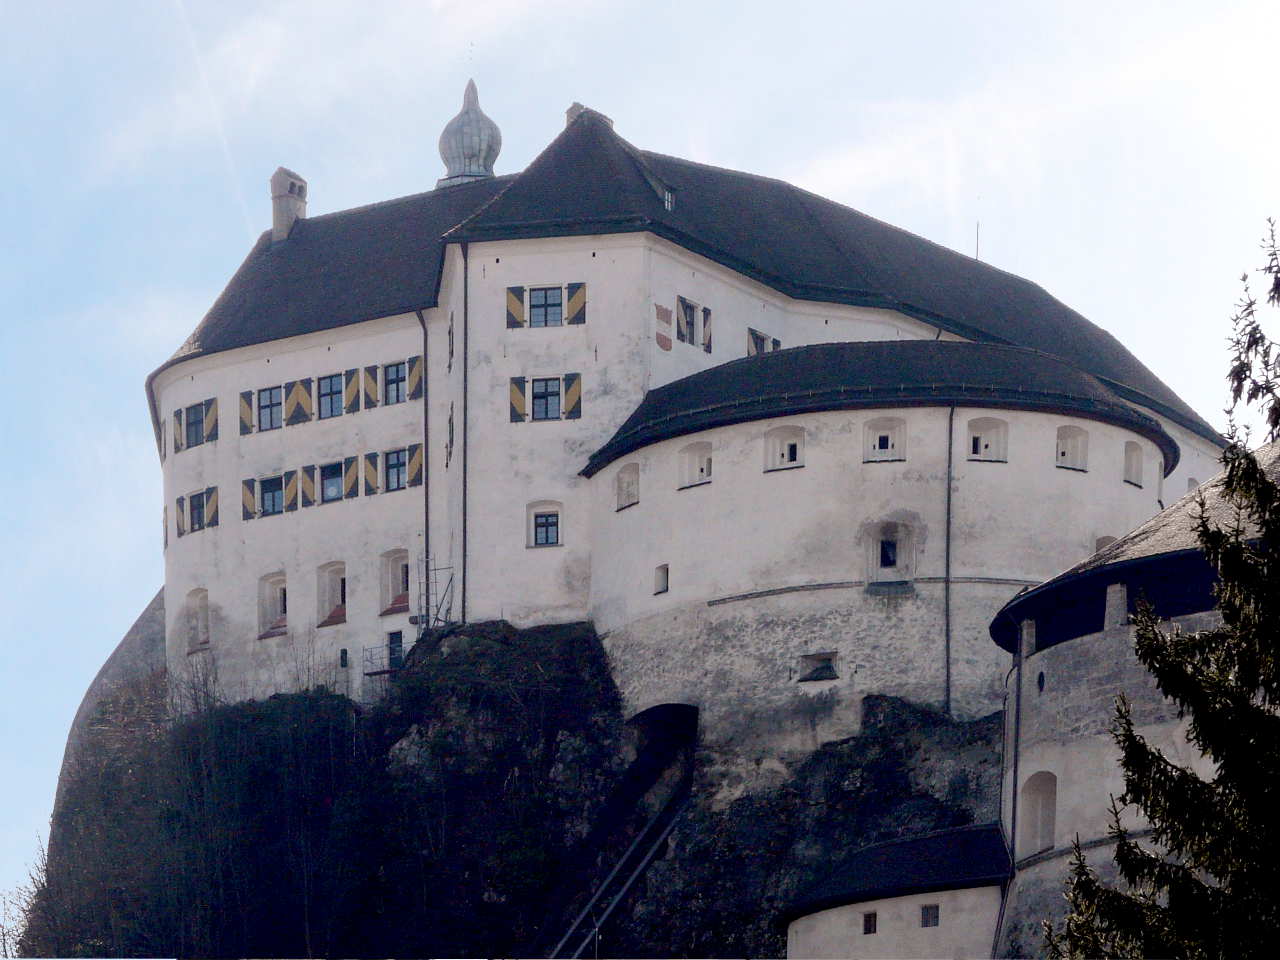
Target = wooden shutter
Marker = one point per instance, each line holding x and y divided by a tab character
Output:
211	506
297	401
370	474
415	464
517	399
515	306
177	431
351	477
248	499
414	378
291	490
182	516
307	484
370	387
211	420
572	396
351	390
576	311
246	412
706	329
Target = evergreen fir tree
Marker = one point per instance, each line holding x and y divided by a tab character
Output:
1206	882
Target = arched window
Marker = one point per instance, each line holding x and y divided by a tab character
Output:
628	485
885	439
988	439
395	582
543	524
695	464
784	448
273	604
196	614
1133	462
1038	813
1073	448
331	594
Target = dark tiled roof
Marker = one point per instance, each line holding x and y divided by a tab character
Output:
886	373
1169	535
591	181
965	857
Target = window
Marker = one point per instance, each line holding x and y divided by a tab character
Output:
195	504
196	611
891	549
397	469
272	496
395	582
929	915
628	485
1038	813
546	398
784	448
868	923
1133	463
546	529
988	440
393	378
542	524
395	649
194	420
1073	449
273	604
330	482
817	666
330	396
758	342
889	552
331	594
885	440
695	464
686	321
270	407
661	579
546	306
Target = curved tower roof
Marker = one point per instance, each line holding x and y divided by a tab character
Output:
470	142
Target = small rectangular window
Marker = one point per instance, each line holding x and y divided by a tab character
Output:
393	378
330	396
929	915
661	579
395	649
272	496
888	553
757	342
195	503
975	446
546	398
546	529
869	923
546	306
792	452
194	420
397	469
330	482
404	579
686	321
270	406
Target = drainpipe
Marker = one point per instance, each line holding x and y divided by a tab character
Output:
466	367
946	579
426	472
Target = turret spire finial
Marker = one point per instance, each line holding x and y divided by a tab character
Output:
470	142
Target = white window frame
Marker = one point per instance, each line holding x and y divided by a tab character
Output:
661	578
1133	463
273	607
783	448
627	485
331	585
695	463
1038	813
987	440
393	565
1071	451
903	538
535	508
878	450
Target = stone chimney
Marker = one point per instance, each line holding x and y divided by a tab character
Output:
576	108
288	202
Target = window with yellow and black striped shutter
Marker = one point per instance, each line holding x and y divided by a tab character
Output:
297	401
291	491
414	378
210	506
350	477
572	396
370	474
706	329
177	431
248	499
351	390
515	307
246	412
307	485
181	515
576	310
370	387
211	420
517	400
415	464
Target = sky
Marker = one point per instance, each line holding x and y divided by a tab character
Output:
1123	156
